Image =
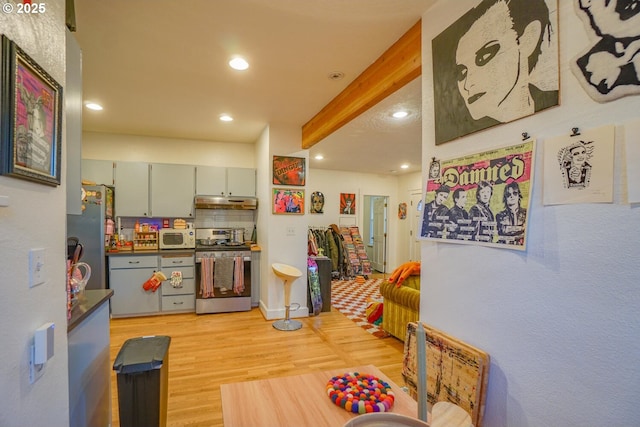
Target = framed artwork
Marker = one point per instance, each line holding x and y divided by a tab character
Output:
288	201
289	171
495	64
31	127
317	202
347	203
482	199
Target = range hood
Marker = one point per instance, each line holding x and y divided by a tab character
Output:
222	202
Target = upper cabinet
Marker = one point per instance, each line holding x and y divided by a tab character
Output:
98	171
241	182
219	181
211	180
131	180
172	190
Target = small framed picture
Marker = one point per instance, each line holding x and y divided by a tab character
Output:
31	111
347	203
288	201
289	171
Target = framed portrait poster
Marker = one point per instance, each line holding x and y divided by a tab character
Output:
347	203
31	126
495	64
289	171
288	201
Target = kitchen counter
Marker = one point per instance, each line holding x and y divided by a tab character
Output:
176	252
89	366
92	300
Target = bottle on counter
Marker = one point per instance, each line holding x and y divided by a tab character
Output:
137	226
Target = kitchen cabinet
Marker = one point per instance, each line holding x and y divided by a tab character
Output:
179	294
214	181
127	274
172	190
131	180
98	171
241	182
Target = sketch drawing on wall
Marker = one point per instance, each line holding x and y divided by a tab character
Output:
578	168
610	67
499	61
574	164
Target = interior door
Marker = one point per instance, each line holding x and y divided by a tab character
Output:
415	215
379	260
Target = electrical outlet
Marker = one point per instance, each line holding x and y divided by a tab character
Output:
291	231
37	272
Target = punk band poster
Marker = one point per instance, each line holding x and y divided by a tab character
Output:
481	199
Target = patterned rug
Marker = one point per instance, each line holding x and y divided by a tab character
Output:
350	298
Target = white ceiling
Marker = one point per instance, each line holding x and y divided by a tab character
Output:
159	68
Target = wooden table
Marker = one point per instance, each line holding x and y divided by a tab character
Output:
297	401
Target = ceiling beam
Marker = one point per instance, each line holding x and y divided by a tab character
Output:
396	67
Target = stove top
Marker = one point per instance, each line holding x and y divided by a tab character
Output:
223	247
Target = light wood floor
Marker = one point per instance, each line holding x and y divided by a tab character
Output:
213	349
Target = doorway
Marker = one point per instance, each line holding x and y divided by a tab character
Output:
375	231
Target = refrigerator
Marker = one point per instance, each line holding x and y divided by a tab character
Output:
91	230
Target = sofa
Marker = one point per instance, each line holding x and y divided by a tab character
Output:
401	305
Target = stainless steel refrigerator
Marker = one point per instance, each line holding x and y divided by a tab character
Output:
90	229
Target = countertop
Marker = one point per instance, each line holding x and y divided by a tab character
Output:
93	298
176	252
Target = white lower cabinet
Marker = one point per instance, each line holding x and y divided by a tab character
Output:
127	274
179	293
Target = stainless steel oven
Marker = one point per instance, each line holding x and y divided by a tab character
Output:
223	278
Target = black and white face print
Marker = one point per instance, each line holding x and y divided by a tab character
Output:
610	66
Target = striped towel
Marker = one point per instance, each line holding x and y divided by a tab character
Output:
238	275
206	277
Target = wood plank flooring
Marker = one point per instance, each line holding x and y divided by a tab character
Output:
213	349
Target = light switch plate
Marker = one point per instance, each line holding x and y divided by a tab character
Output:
37	266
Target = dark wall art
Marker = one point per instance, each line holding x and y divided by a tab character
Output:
496	64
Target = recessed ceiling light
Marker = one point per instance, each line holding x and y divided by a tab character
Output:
226	118
238	63
319	157
404	166
336	75
93	106
400	114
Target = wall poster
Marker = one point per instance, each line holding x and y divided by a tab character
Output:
578	168
288	201
481	199
347	203
289	171
496	64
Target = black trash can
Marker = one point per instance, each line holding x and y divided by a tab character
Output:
142	368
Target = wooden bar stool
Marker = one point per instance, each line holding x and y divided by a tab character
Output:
288	274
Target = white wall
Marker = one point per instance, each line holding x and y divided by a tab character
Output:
560	321
133	148
35	218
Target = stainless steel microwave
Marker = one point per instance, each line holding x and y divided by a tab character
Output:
172	238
